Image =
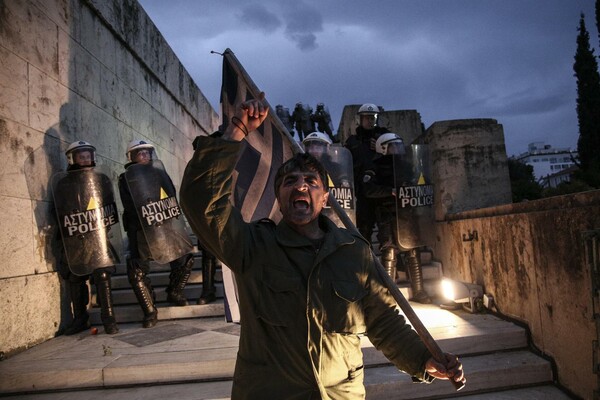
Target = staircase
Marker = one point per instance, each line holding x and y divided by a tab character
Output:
190	353
127	308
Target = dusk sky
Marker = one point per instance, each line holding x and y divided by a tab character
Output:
511	60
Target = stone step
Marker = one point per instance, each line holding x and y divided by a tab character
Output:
161	278
126	296
204	349
133	312
121	269
212	373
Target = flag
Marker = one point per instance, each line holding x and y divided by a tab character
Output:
264	151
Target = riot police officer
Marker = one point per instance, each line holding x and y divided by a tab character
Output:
86	211
302	120
337	160
150	210
398	230
362	148
322	119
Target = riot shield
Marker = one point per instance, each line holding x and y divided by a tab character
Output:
87	218
159	213
338	163
414	196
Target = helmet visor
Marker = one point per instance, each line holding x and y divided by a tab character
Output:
396	148
315	146
83	157
142	156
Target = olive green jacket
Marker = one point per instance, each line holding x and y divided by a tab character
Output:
302	310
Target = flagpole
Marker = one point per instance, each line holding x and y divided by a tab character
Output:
407	310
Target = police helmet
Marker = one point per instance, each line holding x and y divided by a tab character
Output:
136	145
317	137
316	143
389	143
77	147
368	109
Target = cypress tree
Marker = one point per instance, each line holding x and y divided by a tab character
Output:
588	107
598	18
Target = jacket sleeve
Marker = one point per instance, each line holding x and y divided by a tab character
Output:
205	194
388	330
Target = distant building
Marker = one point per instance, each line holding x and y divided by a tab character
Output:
549	161
552	181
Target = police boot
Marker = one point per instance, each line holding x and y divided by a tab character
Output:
177	281
209	265
388	258
143	292
103	292
79	298
415	274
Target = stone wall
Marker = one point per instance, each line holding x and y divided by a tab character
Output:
469	165
96	70
530	257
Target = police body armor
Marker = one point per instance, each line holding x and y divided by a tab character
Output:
87	218
338	163
414	196
158	210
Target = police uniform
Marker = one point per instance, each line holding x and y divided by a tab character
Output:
88	249
362	159
138	261
378	184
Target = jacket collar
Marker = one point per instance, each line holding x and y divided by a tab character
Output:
334	236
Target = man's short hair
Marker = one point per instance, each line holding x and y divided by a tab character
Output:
301	162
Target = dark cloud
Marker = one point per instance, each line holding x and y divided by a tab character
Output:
257	16
302	24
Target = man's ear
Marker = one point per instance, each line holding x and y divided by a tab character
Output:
325	197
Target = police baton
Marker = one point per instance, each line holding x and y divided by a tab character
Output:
408	311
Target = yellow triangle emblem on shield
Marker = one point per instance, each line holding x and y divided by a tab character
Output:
421	180
163	194
92	205
330	181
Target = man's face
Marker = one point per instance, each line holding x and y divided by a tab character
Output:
368	121
83	158
143	156
301	197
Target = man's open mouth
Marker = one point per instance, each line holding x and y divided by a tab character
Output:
301	204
